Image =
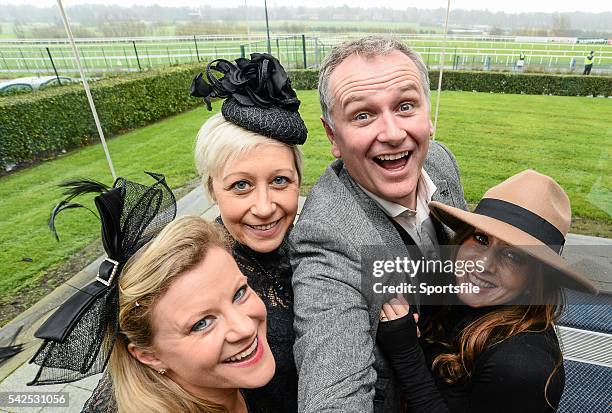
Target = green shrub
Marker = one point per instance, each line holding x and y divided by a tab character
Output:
497	82
524	83
304	79
42	124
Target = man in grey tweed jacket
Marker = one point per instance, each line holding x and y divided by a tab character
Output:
374	96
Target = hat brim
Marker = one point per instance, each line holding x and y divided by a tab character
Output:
458	219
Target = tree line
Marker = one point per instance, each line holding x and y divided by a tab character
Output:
112	20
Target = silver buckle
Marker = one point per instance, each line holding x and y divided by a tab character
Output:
112	276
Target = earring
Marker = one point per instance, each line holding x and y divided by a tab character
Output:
161	371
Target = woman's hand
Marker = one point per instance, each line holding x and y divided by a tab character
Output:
397	308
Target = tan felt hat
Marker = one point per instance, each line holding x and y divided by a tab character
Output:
529	211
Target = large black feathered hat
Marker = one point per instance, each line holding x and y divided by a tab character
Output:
79	336
259	96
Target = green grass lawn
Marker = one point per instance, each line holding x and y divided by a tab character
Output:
568	138
493	137
27	196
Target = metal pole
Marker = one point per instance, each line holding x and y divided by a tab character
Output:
196	45
24	61
4	60
86	87
247	22
441	70
267	27
105	61
63	59
84	60
295	51
53	64
148	57
137	58
127	61
304	50
43	62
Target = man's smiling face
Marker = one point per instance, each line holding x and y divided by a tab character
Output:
381	124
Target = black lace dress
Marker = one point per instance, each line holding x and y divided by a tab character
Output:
269	276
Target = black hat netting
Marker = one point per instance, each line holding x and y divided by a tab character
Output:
86	349
273	122
79	336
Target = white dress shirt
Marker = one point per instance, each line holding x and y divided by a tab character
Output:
416	223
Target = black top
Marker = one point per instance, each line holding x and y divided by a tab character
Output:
509	377
269	275
255	403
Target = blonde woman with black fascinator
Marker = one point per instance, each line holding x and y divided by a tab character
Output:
170	313
250	165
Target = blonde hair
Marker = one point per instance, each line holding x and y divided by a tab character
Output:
181	246
220	141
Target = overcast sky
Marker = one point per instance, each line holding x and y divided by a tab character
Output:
514	6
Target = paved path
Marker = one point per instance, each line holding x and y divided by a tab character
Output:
593	255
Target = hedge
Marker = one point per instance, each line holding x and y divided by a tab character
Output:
497	82
524	83
304	79
42	124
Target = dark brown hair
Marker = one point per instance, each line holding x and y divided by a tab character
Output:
496	326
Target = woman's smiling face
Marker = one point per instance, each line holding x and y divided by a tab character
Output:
209	329
257	194
505	270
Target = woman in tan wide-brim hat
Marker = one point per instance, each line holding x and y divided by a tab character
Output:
497	349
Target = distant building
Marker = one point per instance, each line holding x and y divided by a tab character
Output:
593	41
463	31
539	39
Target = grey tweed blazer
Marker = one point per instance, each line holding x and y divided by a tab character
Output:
339	366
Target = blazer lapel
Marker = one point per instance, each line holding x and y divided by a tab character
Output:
442	194
379	221
392	245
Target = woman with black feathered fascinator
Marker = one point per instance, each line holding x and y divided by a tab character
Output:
169	311
250	165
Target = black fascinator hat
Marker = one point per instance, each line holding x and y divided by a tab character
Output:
259	96
79	336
